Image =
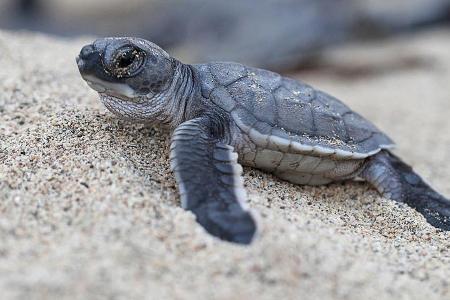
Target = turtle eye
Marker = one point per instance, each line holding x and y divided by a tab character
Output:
128	61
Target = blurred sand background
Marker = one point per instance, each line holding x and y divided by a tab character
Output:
89	208
274	34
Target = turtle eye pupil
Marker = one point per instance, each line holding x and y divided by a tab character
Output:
126	59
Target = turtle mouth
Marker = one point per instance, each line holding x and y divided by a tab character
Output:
117	90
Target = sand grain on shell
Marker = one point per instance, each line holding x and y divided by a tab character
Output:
89	208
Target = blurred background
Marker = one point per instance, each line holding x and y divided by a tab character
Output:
276	34
89	208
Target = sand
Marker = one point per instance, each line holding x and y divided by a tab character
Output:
89	208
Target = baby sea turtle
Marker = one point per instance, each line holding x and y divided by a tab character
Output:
224	112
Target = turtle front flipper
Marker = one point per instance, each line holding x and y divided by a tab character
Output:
396	180
210	183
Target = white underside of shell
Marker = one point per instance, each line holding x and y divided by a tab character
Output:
280	144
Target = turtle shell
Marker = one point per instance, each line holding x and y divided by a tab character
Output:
287	115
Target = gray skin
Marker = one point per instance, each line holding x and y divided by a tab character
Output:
222	112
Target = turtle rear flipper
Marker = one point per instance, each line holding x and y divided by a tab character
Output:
396	180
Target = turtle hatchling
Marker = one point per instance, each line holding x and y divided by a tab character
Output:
225	114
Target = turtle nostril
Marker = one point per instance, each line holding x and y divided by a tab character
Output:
86	51
88	59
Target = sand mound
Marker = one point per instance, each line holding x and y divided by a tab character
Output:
89	208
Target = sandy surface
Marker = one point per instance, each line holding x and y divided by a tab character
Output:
89	208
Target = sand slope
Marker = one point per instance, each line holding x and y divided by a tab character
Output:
89	208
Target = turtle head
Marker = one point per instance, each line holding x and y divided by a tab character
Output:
127	72
125	67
